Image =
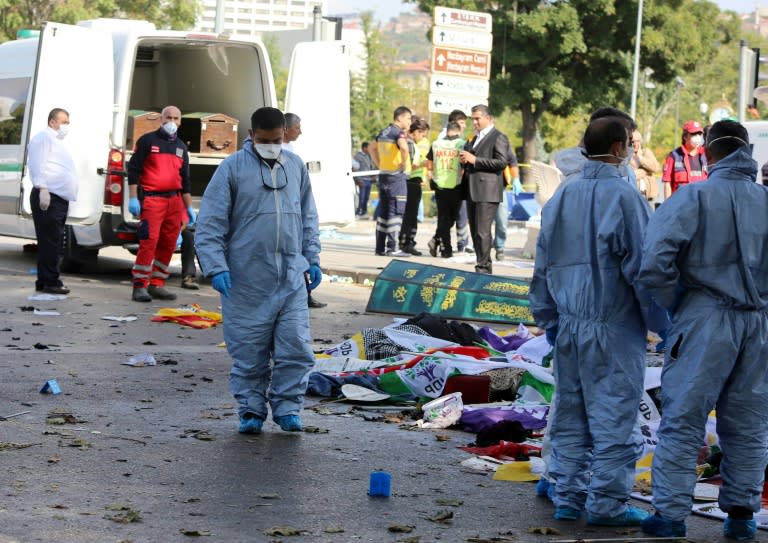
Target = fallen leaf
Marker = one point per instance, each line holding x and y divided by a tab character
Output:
545	530
125	514
285	530
334	530
59	506
204	436
195	533
4	445
209	415
269	496
442	516
450	503
54	459
79	442
316	430
401	528
442	437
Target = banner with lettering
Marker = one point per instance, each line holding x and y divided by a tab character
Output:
410	288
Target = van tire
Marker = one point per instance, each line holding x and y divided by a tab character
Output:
74	258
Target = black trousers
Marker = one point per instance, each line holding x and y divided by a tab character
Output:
188	253
481	216
407	237
49	230
448	207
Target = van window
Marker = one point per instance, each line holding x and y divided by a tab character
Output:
13	97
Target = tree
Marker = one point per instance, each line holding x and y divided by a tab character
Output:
18	14
278	71
375	92
565	57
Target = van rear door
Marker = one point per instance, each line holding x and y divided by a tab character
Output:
75	71
318	92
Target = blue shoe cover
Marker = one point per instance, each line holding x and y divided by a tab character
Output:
251	425
633	516
542	488
740	529
658	526
290	423
563	512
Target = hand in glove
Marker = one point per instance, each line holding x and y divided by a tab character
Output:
517	186
222	282
45	199
551	334
134	206
192	216
315	276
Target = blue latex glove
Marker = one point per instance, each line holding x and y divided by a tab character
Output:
517	186
315	276
551	334
134	206
192	216
222	282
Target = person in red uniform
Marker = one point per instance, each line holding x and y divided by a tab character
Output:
158	181
687	163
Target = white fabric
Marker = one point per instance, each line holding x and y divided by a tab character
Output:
51	165
481	135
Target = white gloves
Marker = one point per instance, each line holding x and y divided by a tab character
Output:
45	199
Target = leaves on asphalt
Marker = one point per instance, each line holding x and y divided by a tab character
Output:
401	528
543	530
334	530
285	531
194	533
269	496
442	517
125	514
316	430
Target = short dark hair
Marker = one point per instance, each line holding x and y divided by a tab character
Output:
400	110
419	124
267	118
55	113
453	126
604	132
725	137
607	111
364	146
291	119
482	108
457	115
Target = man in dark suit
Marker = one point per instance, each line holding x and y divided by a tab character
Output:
484	159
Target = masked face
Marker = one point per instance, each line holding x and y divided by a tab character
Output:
269	151
62	132
697	140
170	128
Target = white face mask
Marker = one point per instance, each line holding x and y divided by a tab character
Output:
62	131
270	151
697	140
170	128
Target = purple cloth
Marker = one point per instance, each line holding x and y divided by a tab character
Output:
503	344
477	419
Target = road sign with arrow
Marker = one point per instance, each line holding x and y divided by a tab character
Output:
477	41
462	86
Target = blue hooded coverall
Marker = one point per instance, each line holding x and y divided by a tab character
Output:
706	259
587	259
266	238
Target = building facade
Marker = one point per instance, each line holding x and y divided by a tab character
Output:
250	18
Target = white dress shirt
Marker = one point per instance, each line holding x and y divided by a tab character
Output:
51	166
481	135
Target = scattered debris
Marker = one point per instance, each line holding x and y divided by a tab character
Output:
401	528
543	530
450	503
442	517
285	531
6	417
334	530
125	513
194	533
141	360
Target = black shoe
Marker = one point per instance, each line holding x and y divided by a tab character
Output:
499	255
140	294
56	289
189	282
446	255
314	304
160	293
412	251
380	254
432	246
38	288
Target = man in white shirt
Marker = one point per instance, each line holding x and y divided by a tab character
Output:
54	181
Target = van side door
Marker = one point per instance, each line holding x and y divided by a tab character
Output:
75	71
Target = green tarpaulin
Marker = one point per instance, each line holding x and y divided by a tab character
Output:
410	288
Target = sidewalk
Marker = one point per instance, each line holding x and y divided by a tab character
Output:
349	251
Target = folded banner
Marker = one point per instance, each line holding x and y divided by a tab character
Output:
410	288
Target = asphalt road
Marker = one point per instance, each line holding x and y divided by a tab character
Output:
152	454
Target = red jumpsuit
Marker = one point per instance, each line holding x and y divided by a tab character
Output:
160	166
677	168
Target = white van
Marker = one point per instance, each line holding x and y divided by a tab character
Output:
102	69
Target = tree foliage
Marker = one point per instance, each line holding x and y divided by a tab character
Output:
279	73
375	92
18	14
551	56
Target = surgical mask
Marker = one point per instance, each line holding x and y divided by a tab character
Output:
270	151
63	131
170	128
697	140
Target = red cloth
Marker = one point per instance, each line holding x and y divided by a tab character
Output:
505	449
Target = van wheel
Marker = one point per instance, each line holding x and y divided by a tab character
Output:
76	259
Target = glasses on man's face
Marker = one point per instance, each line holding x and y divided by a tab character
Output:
274	182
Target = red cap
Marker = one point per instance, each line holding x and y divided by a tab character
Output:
692	127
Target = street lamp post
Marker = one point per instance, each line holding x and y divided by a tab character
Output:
636	70
680	84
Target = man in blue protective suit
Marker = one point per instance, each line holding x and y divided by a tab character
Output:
584	294
705	258
257	235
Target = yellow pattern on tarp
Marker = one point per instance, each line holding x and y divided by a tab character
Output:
193	315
